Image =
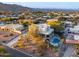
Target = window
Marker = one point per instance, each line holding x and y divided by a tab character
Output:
47	39
47	36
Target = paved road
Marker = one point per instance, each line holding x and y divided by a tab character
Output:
12	51
62	49
16	53
69	52
14	40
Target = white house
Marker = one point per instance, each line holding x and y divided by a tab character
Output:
75	29
73	36
48	34
3	16
46	31
68	24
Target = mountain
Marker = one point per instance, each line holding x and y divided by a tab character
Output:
12	7
17	8
54	9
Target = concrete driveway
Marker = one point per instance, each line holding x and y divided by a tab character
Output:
70	52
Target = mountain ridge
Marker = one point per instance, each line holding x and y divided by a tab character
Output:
12	7
16	8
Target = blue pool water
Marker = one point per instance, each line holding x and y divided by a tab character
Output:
1	23
55	40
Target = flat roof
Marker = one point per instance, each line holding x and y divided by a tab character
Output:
13	25
73	36
48	31
54	19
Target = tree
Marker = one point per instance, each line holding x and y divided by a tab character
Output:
25	23
51	23
56	25
33	28
58	28
22	17
7	19
52	15
76	46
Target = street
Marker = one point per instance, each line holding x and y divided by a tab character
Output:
70	52
12	51
16	53
62	49
14	40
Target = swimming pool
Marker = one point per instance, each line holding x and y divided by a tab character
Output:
2	24
55	41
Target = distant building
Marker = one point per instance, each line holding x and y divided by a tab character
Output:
52	19
75	29
47	17
3	16
39	20
68	24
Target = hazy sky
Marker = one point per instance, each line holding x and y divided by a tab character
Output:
67	5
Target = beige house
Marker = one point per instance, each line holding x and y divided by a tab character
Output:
12	28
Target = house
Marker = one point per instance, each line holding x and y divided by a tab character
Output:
47	17
68	24
52	19
2	16
46	31
75	29
73	36
39	20
2	25
12	28
72	39
48	34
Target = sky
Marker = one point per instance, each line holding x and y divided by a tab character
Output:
63	5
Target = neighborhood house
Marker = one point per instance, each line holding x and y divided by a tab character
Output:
73	36
48	34
12	28
46	31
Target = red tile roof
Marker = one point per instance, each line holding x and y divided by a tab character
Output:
72	41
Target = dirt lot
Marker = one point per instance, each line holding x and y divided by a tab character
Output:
7	36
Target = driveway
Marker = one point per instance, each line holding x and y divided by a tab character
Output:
70	52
